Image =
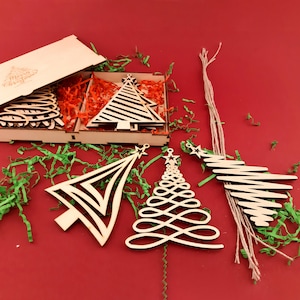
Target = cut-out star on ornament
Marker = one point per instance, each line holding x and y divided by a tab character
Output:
171	159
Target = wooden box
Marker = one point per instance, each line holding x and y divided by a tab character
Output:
34	88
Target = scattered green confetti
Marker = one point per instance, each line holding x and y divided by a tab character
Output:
184	122
243	253
294	168
238	156
188	110
172	87
274	144
183	146
170	69
249	117
94	48
144	59
188	100
280	234
113	65
206	180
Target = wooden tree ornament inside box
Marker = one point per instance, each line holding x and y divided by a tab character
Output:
135	111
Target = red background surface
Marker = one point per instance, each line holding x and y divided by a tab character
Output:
257	72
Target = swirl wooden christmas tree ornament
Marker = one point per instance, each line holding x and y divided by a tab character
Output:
96	207
173	214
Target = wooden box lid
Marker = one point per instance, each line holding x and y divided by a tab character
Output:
24	74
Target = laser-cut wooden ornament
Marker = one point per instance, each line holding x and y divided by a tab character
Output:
252	186
39	109
128	108
173	214
83	190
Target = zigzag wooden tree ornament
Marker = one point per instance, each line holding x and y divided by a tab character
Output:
173	214
128	108
251	186
39	109
83	190
245	186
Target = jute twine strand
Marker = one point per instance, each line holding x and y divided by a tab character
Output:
245	233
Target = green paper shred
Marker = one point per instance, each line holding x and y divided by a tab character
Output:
274	144
170	69
188	100
249	117
294	168
243	253
184	123
26	222
94	48
113	65
280	235
144	59
188	110
172	87
119	64
206	180
237	154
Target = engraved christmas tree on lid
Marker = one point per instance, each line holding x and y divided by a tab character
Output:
18	76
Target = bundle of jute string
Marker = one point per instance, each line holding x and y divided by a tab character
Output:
246	236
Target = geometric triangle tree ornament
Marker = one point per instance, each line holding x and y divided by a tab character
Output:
92	207
173	214
128	109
